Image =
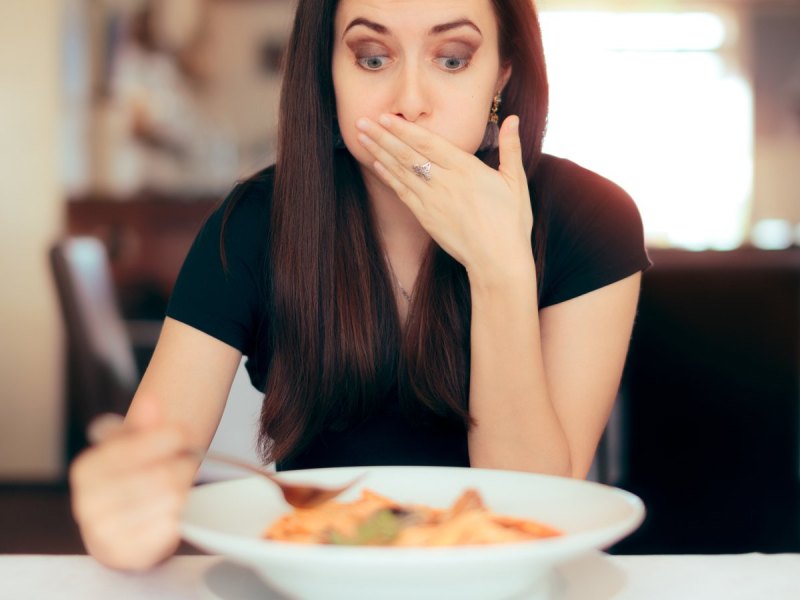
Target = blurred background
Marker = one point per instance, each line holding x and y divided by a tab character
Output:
127	120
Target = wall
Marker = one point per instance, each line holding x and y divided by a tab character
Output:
776	75
244	41
30	216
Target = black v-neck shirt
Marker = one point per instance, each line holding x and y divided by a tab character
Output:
594	238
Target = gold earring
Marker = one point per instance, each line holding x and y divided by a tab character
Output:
490	136
495	107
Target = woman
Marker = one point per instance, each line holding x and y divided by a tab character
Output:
397	297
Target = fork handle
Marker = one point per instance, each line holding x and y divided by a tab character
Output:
201	455
106	424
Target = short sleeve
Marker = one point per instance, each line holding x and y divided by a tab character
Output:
223	296
595	235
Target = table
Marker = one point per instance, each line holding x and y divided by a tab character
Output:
595	576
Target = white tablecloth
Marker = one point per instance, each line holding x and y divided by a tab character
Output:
593	577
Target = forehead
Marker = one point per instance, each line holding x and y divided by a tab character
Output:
416	14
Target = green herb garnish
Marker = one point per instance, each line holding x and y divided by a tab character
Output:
379	529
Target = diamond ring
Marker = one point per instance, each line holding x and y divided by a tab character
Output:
423	171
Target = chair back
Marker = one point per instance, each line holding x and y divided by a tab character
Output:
102	369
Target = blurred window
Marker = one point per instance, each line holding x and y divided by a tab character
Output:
658	103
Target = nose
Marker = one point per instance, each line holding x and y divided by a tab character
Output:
411	98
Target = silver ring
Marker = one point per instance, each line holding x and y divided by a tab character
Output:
423	171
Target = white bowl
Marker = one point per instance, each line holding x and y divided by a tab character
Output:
229	519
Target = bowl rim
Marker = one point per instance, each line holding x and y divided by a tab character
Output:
262	548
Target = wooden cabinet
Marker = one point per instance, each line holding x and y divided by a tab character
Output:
147	239
712	403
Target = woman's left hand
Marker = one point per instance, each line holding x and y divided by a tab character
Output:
480	216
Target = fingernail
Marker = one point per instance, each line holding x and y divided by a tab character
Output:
363	138
513	123
385	120
362	124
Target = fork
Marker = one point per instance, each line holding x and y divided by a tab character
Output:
299	495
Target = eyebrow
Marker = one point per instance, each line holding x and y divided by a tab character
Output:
435	30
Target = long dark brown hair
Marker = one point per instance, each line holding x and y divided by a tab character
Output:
335	343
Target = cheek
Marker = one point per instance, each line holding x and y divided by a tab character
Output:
347	114
466	126
351	104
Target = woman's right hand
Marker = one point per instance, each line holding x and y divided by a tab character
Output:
129	489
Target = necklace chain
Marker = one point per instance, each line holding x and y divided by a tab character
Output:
403	291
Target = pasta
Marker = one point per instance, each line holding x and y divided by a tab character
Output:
374	520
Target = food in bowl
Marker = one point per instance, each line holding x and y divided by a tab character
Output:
229	519
375	520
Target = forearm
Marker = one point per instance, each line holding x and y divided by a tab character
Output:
516	426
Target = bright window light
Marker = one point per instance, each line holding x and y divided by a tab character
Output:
648	101
635	31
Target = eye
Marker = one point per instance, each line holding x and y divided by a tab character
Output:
453	63
372	63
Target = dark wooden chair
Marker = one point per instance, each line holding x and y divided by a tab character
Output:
102	373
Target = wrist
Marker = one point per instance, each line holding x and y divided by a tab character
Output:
504	275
